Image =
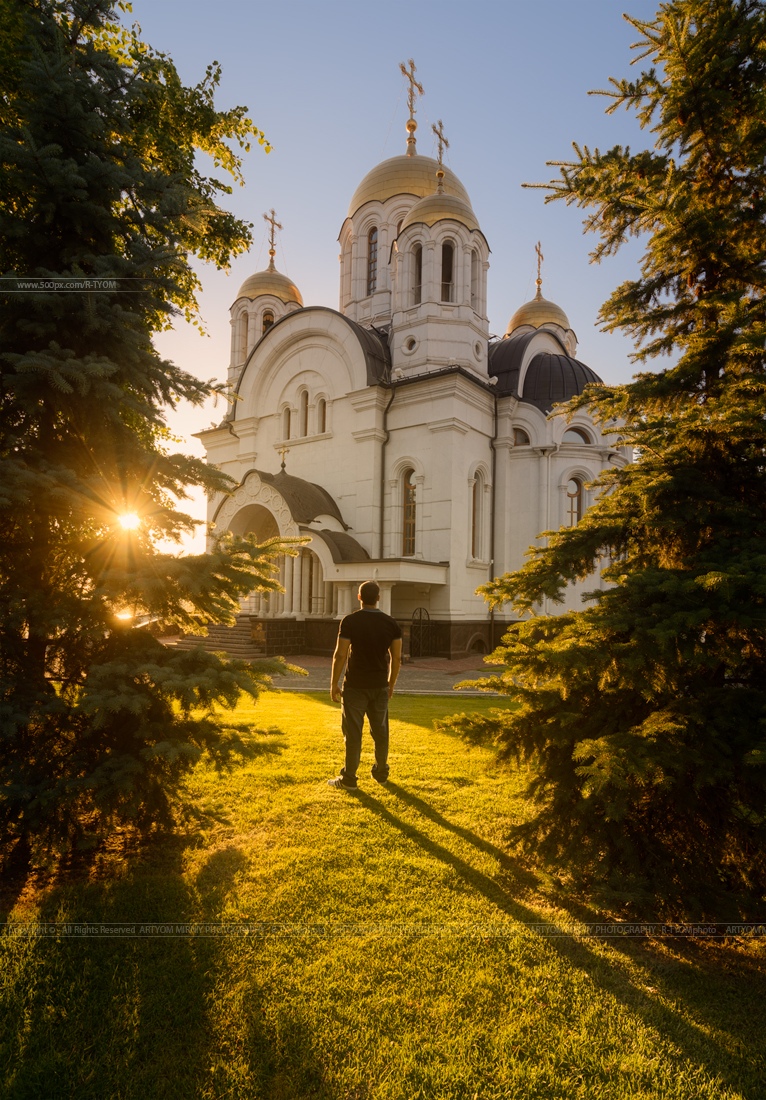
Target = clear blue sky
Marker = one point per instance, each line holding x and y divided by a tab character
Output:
510	81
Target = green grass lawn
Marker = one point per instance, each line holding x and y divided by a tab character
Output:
399	963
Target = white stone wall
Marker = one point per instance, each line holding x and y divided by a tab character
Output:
438	420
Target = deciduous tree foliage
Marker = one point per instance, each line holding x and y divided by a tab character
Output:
642	715
99	179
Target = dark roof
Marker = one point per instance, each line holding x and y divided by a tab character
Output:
343	547
377	353
549	379
374	345
305	499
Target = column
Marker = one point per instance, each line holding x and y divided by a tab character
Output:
385	596
344	599
297	584
431	291
464	289
287	599
308	564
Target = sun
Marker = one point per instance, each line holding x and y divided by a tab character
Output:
129	521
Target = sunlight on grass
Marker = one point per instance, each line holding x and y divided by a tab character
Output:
398	963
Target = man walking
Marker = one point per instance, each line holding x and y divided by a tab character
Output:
372	642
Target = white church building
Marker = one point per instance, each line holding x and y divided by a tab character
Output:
392	432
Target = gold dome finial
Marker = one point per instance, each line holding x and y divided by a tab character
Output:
539	279
271	218
438	129
415	87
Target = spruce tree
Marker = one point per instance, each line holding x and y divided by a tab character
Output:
642	715
99	180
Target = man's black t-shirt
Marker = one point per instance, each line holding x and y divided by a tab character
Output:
370	632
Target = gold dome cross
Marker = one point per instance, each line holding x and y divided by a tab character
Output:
271	218
415	87
438	129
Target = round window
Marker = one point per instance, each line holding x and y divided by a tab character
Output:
410	344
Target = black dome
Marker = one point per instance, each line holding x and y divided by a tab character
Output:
549	379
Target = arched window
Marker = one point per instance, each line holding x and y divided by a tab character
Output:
448	272
268	321
408	513
417	275
286	422
575	435
321	416
372	261
243	320
520	438
574	501
303	422
477	518
474	279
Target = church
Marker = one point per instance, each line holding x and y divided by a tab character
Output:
407	446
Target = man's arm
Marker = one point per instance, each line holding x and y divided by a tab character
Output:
338	664
395	649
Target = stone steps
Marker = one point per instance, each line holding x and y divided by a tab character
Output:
235	641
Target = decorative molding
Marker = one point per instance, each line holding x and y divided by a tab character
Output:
254	491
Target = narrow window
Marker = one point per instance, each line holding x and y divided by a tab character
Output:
448	272
574	501
476	500
304	414
520	438
417	275
372	261
286	423
268	321
321	416
243	337
408	514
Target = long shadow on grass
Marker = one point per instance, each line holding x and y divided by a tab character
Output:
478	842
738	1058
139	1017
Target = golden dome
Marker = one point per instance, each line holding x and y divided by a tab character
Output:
273	282
439	206
404	176
537	313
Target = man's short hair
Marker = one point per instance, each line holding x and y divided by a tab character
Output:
369	592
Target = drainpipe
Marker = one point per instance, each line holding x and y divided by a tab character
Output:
493	498
386	436
547	451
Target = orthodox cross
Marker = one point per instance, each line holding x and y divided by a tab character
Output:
438	129
415	87
271	218
283	450
540	259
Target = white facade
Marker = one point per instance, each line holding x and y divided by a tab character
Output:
415	453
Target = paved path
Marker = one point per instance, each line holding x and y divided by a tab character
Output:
425	676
